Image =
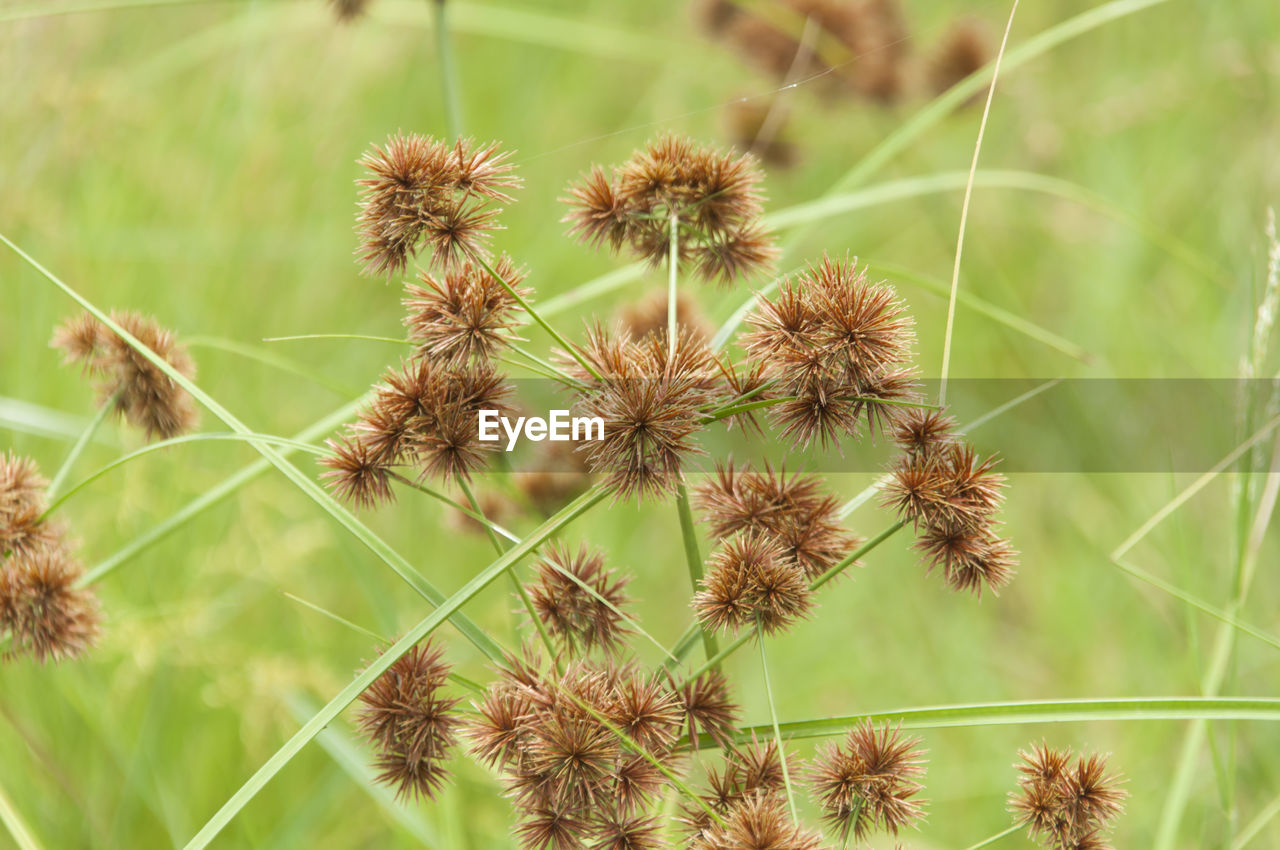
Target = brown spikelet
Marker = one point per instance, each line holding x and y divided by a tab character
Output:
713	195
709	709
622	832
418	189
139	391
651	406
47	616
465	313
23	529
834	344
348	10
413	726
796	511
1066	806
870	783
358	472
758	821
748	581
578	599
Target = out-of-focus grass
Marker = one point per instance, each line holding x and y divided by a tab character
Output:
197	163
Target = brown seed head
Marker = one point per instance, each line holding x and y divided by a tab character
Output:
1065	806
869	783
47	616
578	599
464	314
140	392
713	195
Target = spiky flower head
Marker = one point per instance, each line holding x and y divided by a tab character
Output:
709	708
411	722
713	197
870	783
424	415
579	600
835	345
749	582
1066	806
759	821
795	511
651	402
23	528
137	389
41	607
424	191
465	313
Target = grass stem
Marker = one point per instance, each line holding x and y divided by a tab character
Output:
773	718
993	839
693	559
82	441
448	68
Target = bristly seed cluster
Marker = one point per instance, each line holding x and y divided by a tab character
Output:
410	723
870	783
952	497
424	191
1066	806
836	346
580	601
43	611
136	388
714	197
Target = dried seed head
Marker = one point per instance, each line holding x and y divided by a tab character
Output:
139	391
758	822
348	10
920	431
358	472
748	581
714	196
836	345
1065	806
45	613
651	405
870	783
557	476
709	709
648	712
797	512
465	314
423	189
579	600
622	832
964	49
951	488
553	828
23	531
411	723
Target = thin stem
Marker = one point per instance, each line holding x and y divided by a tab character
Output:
673	273
773	718
964	209
693	559
515	582
528	308
448	70
746	407
993	839
82	441
856	554
267	439
463	509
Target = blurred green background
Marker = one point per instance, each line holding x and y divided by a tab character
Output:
195	161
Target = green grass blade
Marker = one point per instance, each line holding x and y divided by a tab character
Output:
345	518
86	436
177	441
1255	826
16	827
348	695
987	842
773	720
693	562
1136	709
27	418
215	494
271	359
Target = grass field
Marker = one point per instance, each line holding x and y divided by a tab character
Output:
195	161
